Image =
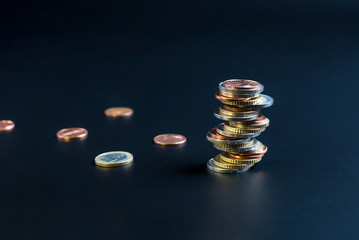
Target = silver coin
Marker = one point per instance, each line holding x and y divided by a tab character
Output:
234	149
114	159
231	118
221	141
235	135
239	92
267	103
214	168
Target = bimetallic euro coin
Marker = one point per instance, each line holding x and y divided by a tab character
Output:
264	104
214	168
114	159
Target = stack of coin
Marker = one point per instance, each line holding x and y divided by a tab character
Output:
242	101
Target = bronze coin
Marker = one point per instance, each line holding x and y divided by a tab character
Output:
67	134
241	84
118	112
169	139
6	125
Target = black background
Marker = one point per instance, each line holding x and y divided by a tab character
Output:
62	64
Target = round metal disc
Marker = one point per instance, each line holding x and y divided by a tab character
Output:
235	135
231	118
216	169
114	159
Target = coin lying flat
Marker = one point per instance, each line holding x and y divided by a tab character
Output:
214	168
114	159
169	139
118	112
6	125
67	134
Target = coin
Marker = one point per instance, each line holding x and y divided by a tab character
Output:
67	134
222	164
245	84
6	125
114	159
260	121
246	115
169	139
216	169
118	112
222	131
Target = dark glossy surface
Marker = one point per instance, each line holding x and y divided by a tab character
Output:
62	65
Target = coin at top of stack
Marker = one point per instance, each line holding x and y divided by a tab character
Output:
242	101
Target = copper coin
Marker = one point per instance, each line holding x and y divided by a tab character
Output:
169	139
118	112
241	84
6	125
67	134
221	97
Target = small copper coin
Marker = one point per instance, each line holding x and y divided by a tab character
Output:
6	125
241	84
67	134
169	139
118	112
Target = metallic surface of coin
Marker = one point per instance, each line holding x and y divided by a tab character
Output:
220	115
67	134
223	98
6	125
260	121
240	161
220	129
216	169
118	112
169	139
114	159
232	149
241	84
249	103
222	164
215	136
240	92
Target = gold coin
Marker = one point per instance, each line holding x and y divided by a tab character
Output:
247	103
222	164
118	112
243	130
227	159
114	159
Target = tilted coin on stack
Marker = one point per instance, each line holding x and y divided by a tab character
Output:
242	101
